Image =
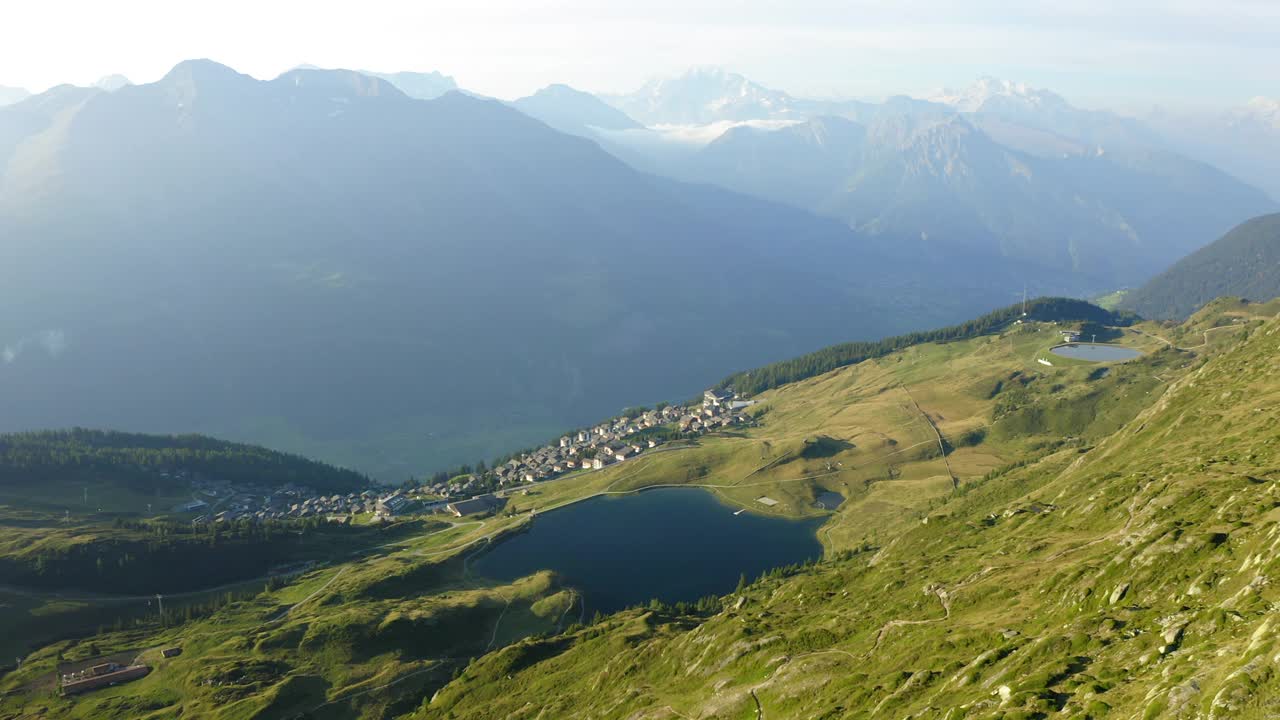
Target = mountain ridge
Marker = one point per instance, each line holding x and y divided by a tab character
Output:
944	185
350	210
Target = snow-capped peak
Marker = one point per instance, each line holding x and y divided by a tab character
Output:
704	94
111	83
1265	109
994	94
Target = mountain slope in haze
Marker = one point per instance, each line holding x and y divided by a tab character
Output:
995	175
111	83
11	95
420	85
944	186
1041	122
1244	263
573	111
1244	141
322	264
709	95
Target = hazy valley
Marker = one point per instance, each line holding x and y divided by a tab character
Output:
461	280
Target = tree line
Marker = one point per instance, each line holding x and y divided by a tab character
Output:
62	455
1049	309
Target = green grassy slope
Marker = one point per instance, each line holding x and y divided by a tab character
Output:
366	637
995	505
1125	574
86	523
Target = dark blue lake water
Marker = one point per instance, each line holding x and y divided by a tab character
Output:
1095	353
672	544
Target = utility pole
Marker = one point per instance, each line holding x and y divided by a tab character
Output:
160	600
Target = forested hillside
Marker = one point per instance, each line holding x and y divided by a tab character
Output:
1243	263
149	462
1064	310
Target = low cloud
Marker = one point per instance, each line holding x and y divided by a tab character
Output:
52	342
691	136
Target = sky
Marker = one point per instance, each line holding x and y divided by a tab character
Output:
1123	54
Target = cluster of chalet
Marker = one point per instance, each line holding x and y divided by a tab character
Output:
720	408
227	502
601	446
591	449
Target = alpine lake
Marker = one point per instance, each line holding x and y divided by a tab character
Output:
672	544
1095	352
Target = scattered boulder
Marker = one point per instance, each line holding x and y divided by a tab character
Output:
1118	594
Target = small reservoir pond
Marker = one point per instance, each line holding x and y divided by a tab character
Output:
1095	352
673	544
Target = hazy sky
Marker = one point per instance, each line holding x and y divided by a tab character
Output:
1096	52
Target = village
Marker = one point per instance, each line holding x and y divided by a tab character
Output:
219	501
595	448
215	501
588	449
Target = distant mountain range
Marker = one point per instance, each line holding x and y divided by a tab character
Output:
111	83
12	95
708	95
704	95
322	264
1042	122
420	85
1243	263
998	170
573	111
1244	141
940	182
